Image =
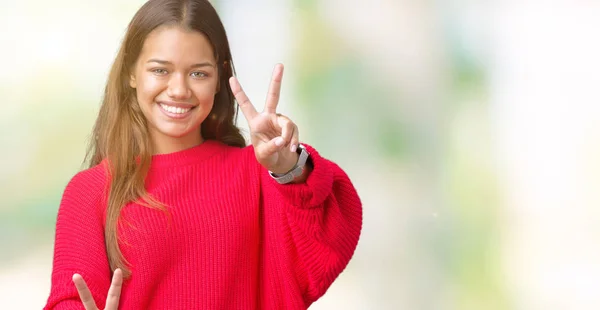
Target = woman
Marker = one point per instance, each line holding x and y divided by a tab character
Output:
174	208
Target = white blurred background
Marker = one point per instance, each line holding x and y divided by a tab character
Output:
471	130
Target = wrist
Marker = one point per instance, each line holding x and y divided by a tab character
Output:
298	170
287	168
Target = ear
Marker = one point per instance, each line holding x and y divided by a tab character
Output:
132	81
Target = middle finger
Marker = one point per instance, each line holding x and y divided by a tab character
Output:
274	89
114	292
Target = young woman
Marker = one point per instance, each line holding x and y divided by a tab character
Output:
175	212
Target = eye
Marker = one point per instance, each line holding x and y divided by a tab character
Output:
159	71
199	74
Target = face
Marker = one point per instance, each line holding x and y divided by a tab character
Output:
176	80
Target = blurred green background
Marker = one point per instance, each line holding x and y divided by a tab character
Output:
471	130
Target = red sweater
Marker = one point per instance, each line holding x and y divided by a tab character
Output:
235	240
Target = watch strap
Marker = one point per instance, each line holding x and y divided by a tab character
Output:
297	170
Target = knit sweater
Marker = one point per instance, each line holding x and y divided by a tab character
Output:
233	238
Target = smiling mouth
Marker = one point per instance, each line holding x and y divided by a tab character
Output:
175	110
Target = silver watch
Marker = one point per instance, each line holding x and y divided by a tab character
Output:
296	170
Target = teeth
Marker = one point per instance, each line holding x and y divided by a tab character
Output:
175	110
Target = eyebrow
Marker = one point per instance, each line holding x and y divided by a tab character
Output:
165	62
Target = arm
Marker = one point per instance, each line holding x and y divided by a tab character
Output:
79	242
317	223
311	228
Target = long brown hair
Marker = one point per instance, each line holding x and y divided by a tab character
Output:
120	134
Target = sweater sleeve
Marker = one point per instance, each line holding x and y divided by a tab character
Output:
79	242
317	224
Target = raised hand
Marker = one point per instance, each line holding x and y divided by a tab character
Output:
274	136
114	292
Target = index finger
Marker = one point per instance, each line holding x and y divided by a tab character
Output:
245	104
114	292
84	293
274	89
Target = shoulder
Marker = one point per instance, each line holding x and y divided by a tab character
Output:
236	161
235	154
86	187
91	178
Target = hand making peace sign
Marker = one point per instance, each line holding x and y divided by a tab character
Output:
274	136
114	292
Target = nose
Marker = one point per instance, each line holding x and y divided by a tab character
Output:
178	88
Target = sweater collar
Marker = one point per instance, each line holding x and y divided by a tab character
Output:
194	154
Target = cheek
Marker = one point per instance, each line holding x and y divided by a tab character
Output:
148	88
204	91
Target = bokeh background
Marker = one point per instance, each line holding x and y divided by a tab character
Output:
471	130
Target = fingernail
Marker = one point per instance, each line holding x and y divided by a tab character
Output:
293	148
279	141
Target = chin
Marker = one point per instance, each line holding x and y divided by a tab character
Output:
179	133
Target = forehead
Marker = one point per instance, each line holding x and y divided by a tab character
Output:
172	43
